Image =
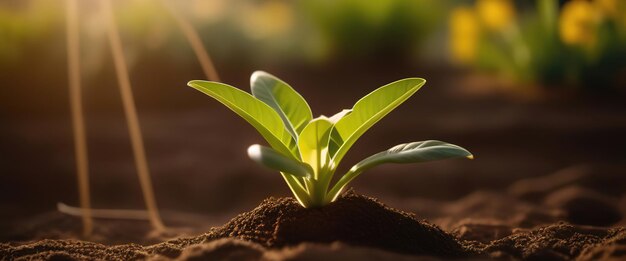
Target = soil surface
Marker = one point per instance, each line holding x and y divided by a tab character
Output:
354	227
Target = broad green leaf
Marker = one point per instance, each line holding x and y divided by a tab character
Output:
274	160
313	143
263	118
413	152
289	104
369	110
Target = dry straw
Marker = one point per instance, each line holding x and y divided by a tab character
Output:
78	122
131	116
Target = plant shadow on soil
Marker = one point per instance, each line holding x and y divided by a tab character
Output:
353	227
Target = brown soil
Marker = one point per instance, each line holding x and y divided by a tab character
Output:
353	219
354	227
555	242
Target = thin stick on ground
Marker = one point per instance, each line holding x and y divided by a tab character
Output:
78	122
196	43
131	214
131	116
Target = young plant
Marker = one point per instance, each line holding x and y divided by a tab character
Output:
307	151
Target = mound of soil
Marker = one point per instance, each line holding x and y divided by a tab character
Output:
354	219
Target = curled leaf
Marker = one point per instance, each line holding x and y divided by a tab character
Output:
272	159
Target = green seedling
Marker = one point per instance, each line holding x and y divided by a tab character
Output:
307	150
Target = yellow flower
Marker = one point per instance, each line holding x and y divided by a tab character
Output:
578	23
464	34
496	14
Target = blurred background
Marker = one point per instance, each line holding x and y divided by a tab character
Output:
532	88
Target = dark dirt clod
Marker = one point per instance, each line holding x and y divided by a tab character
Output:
585	207
481	232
